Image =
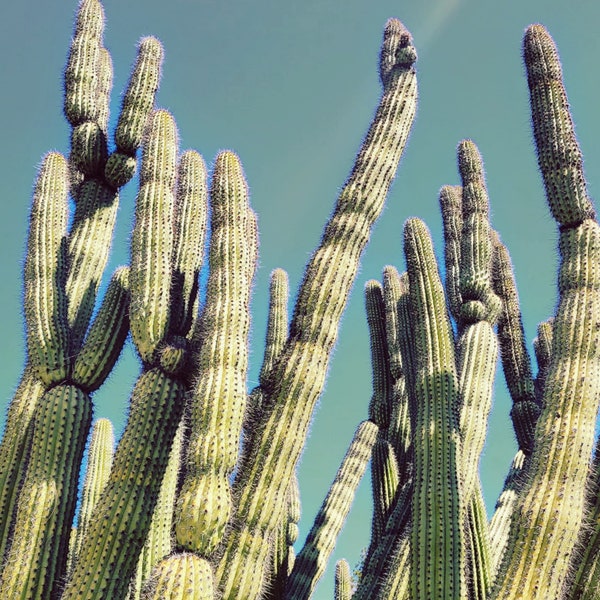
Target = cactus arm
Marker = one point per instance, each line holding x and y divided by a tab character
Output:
100	456
311	561
190	230
450	199
218	401
44	298
343	581
480	572
321	300
499	526
515	358
106	337
380	405
437	504
395	295
549	513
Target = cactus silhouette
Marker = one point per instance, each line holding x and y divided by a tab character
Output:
200	499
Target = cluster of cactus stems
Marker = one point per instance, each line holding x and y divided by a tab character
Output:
200	498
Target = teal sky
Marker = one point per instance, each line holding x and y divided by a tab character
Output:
291	87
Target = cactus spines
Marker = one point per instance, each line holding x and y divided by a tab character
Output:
437	543
313	330
218	401
559	156
83	66
106	336
152	238
549	511
100	456
139	97
35	559
184	576
312	559
515	358
45	299
343	581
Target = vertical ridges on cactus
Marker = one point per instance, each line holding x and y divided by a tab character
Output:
312	559
313	331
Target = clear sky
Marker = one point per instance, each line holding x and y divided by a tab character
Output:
291	87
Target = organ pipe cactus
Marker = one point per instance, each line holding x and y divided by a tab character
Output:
222	523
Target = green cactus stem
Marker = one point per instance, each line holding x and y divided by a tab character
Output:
100	456
550	508
183	576
218	401
159	540
515	358
437	569
38	556
298	376
343	581
311	561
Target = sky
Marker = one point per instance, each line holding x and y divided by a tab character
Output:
291	87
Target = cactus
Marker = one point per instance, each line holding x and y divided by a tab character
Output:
223	522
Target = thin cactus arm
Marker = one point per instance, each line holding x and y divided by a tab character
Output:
312	559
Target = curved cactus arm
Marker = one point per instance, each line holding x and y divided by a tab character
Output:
312	559
137	105
100	457
437	542
299	374
550	509
37	558
343	581
219	398
516	362
106	336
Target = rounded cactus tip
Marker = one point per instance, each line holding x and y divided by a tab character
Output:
470	162
397	50
540	54
151	46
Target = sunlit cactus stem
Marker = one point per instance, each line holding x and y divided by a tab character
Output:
313	331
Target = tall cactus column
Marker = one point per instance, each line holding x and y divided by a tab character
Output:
549	514
298	376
